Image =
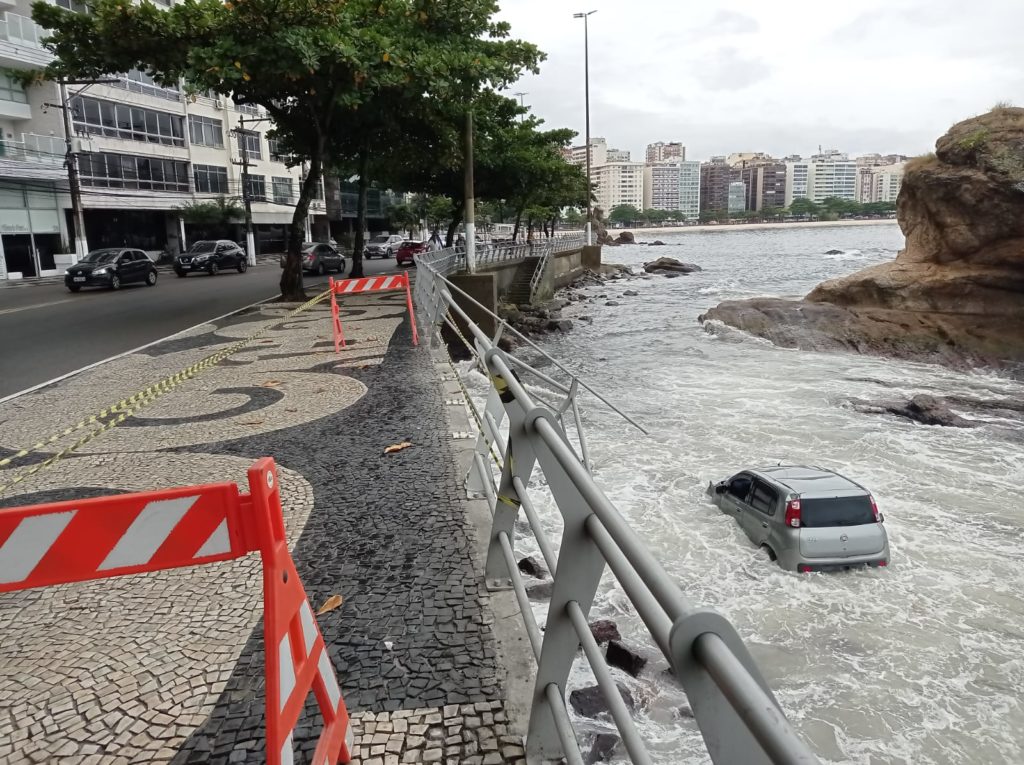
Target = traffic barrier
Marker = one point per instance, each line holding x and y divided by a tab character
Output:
44	545
369	284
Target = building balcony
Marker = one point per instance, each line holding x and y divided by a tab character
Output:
20	43
34	156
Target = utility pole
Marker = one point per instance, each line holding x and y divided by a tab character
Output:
586	80
470	209
71	159
522	117
250	238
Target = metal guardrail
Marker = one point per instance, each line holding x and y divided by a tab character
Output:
738	716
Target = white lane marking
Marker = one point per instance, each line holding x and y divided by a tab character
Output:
217	543
286	672
6	311
148	531
29	542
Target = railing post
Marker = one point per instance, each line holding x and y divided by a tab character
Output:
580	563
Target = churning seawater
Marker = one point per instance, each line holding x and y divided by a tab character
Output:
919	663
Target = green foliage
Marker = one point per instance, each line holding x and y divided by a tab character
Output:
834	208
574	217
403	217
655	216
625	214
438	211
217	213
802	206
975	141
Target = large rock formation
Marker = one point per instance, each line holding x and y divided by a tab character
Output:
955	294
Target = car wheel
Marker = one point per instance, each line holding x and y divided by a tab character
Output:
320	270
214	268
181	274
115	282
74	287
243	266
771	553
151	278
388	254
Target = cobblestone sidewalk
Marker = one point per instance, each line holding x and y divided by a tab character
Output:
168	667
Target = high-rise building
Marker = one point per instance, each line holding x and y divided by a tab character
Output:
765	182
887	181
737	196
715	177
829	174
673	185
143	150
618	155
598	153
869	187
664	152
619	183
742	158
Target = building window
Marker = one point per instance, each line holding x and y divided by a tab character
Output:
206	131
95	117
248	108
249	142
140	82
127	171
11	90
283	192
256	188
210	179
276	152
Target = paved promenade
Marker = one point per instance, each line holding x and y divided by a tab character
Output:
168	667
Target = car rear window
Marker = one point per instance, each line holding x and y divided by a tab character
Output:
836	511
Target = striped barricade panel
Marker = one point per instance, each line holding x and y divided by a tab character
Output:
76	541
42	545
382	283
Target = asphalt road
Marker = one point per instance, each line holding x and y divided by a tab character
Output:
46	332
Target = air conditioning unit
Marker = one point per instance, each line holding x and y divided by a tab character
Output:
81	145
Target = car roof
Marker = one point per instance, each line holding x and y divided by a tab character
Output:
810	480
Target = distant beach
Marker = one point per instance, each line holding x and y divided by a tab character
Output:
705	227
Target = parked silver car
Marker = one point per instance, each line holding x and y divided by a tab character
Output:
319	258
806	518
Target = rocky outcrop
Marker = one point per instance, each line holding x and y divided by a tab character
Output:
955	294
663	265
922	408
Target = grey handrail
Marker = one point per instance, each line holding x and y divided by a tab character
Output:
735	710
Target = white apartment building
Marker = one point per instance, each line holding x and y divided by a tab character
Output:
618	155
831	174
619	183
673	185
598	153
665	152
886	182
143	151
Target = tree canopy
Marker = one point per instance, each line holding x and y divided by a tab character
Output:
318	67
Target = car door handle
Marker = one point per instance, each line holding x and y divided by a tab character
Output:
764	525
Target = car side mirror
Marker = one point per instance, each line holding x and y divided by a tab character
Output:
881	518
720	488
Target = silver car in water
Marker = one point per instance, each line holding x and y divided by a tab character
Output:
806	518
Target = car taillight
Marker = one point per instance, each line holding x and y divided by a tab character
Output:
874	509
803	568
793	513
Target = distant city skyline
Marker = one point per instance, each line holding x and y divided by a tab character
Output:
886	76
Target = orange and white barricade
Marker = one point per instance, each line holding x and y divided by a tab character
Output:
382	283
43	545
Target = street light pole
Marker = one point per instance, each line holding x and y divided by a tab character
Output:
586	85
470	202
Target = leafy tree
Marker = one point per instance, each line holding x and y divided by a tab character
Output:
324	71
213	217
656	217
677	216
802	206
624	214
438	212
574	217
404	217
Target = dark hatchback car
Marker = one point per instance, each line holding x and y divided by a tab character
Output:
409	250
211	256
111	268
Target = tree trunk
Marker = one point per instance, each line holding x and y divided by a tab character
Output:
515	231
364	188
456	220
291	277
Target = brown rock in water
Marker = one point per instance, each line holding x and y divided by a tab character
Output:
955	294
604	630
626	237
670	264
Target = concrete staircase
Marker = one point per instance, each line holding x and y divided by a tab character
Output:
519	291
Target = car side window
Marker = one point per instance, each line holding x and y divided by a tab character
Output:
141	256
763	498
739	486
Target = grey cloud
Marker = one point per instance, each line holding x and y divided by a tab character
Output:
727	69
727	22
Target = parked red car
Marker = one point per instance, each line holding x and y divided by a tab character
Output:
408	249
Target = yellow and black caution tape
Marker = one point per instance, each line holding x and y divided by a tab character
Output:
475	413
128	406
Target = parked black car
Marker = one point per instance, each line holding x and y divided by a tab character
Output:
211	256
111	267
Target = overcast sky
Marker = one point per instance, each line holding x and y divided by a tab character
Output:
783	77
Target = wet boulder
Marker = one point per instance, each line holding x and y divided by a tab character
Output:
626	237
603	748
590	702
604	630
540	591
922	408
533	567
626	659
630	293
670	265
